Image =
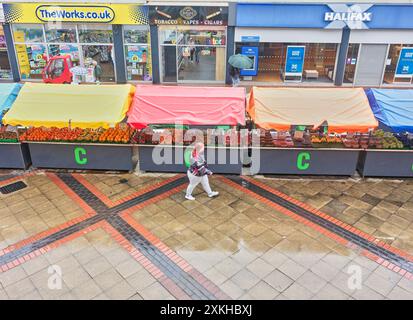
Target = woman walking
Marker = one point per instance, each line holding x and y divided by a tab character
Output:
198	172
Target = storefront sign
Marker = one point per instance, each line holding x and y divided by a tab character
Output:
250	38
294	62
252	53
342	15
325	16
167	15
104	13
405	63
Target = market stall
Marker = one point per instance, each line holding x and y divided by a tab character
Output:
188	114
393	108
75	127
13	154
309	131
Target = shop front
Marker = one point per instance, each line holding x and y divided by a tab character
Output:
5	69
380	57
108	42
192	43
356	44
296	55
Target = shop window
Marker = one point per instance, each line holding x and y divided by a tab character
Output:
99	60
136	34
65	49
201	63
28	33
5	70
138	64
351	62
167	36
199	54
31	59
392	60
59	33
319	61
95	33
202	37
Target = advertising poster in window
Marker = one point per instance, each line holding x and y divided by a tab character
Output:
294	62
405	63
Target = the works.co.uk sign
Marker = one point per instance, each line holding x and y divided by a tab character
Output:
97	14
82	13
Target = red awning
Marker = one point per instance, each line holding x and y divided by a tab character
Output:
187	105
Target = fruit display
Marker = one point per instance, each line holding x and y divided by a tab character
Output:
282	139
375	140
326	140
217	137
119	134
385	140
7	135
302	139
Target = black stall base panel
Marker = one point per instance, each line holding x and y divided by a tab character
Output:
164	158
81	156
386	163
14	156
304	161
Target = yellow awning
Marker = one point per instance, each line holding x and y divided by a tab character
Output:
84	106
344	109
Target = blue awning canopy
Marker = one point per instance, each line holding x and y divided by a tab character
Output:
393	108
8	93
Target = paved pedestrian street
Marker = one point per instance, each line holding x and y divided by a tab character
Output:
129	236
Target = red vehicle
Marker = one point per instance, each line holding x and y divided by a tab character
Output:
57	70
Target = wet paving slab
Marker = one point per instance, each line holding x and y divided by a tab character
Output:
128	236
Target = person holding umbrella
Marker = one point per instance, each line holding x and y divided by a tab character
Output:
237	62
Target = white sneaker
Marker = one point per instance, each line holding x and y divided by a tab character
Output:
189	197
213	194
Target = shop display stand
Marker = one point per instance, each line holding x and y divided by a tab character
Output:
386	163
306	161
230	165
82	156
14	155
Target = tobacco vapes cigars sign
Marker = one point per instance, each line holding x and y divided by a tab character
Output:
188	15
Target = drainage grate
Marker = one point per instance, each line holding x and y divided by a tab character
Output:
10	188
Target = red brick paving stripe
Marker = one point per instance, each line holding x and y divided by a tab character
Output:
105	199
314	226
70	193
16	178
342	224
49	247
44	234
178	260
166	282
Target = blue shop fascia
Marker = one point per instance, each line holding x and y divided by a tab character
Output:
326	44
